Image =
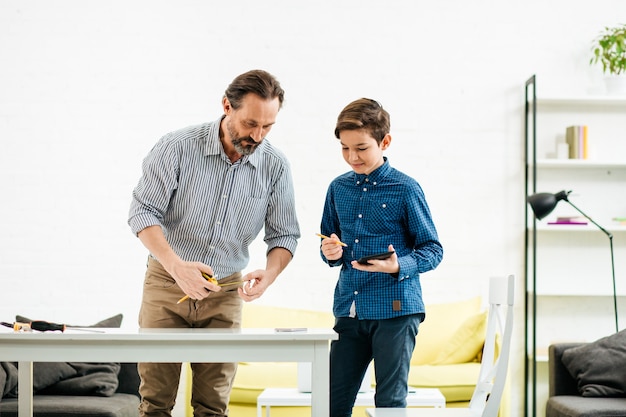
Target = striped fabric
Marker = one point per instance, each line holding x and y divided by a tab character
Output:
369	212
209	208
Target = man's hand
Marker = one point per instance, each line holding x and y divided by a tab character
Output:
256	282
188	276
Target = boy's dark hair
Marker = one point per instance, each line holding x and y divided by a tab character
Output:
366	114
258	82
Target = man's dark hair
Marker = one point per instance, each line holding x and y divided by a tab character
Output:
258	82
365	114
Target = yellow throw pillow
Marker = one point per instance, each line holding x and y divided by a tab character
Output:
442	322
466	343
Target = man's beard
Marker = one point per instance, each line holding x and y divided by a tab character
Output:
238	142
245	150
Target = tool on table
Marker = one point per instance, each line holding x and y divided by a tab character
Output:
43	326
339	242
214	281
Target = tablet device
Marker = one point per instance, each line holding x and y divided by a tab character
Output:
382	255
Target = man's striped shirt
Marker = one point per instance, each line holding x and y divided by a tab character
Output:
210	209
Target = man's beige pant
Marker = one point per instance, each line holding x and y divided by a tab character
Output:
212	382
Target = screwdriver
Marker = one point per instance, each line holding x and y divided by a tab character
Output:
43	326
39	325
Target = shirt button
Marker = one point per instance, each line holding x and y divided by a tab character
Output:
356	240
356	293
360	216
384	205
364	189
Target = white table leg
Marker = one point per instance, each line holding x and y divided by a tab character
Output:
320	380
25	389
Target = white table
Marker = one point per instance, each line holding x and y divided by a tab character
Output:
170	345
271	397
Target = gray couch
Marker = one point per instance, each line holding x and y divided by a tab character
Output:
565	400
123	403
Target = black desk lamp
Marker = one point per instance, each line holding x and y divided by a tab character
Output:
543	204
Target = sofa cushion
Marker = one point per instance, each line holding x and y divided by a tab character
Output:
598	367
260	316
119	405
94	379
441	323
575	406
49	373
466	343
456	382
252	378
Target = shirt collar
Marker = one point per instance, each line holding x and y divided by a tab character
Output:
375	176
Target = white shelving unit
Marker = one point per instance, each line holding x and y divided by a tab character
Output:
569	289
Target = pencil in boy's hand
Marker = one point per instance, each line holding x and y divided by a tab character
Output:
339	242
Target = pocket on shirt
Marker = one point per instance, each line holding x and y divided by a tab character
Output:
250	216
385	218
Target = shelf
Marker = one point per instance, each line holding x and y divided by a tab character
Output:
572	294
579	164
578	228
616	101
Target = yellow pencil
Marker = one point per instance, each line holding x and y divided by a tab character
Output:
207	277
326	237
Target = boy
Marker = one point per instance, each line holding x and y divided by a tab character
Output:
378	307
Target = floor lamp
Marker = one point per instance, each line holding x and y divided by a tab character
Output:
543	204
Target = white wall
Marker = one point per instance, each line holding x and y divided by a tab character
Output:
86	89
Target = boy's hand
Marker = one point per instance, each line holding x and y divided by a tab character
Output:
331	248
389	265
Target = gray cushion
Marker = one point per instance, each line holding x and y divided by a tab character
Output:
119	405
49	373
97	379
598	367
573	406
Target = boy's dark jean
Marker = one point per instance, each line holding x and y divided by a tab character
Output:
389	342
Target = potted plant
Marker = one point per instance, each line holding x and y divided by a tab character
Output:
609	49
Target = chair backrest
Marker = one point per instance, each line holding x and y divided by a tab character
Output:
493	370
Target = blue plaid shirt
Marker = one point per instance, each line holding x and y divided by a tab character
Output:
369	212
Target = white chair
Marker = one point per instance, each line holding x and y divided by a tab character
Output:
486	399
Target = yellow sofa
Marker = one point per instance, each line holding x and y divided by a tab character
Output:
447	355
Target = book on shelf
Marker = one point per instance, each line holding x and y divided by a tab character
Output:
570	220
576	138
